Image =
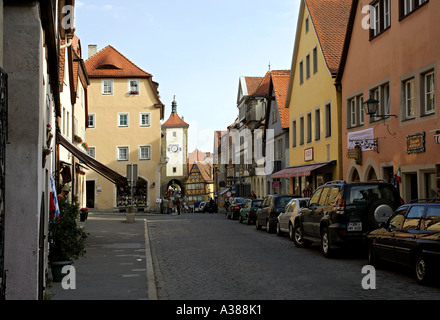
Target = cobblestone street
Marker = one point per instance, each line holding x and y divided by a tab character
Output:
207	257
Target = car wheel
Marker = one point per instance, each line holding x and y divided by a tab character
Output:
240	219
325	244
298	237
291	232
257	225
248	220
279	233
422	270
268	227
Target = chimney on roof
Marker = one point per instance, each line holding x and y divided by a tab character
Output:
93	49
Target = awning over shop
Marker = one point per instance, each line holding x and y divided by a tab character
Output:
90	162
300	171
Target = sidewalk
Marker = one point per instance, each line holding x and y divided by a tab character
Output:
115	265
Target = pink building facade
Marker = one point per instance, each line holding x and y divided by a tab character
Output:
392	54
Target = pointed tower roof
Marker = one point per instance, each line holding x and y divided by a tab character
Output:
174	120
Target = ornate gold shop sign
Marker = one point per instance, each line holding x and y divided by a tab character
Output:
415	143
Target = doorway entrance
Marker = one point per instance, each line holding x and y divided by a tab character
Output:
90	194
412	190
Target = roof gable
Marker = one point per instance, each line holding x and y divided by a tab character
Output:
111	63
280	85
330	20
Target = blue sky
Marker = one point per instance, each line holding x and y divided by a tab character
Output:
195	49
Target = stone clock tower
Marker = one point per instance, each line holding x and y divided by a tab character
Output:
174	166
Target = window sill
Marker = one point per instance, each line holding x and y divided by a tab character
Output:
372	37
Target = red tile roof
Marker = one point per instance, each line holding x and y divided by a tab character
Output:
111	63
280	81
252	84
175	121
330	19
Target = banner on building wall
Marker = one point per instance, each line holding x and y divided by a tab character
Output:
363	139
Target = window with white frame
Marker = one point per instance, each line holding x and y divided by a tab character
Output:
315	60
294	133
145	153
408	6
309	128
380	17
308	66
123	153
328	120
317	124
145	119
123	120
429	92
410	98
352	113
107	87
91	120
301	130
382	94
133	86
92	152
385	99
355	112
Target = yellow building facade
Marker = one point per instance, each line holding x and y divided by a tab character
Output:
313	99
124	133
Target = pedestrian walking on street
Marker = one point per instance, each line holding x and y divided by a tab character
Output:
178	206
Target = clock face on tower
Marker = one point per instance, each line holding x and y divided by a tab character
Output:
174	148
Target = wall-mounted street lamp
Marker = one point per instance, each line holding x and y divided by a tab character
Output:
372	105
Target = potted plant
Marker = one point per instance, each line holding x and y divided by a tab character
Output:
84	213
67	239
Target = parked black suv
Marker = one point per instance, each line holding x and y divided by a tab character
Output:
270	209
411	237
339	213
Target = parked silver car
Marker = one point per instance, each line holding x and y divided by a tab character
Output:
286	219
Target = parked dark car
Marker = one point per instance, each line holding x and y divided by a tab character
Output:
235	206
341	213
286	219
411	237
269	210
248	213
210	207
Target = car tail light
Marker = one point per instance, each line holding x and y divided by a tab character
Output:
251	210
237	207
341	207
401	201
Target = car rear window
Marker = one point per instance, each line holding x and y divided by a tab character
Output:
281	202
363	194
432	220
256	202
302	203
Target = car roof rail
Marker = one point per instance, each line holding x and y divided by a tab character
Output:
425	200
336	182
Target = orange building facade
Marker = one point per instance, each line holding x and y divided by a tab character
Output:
394	60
